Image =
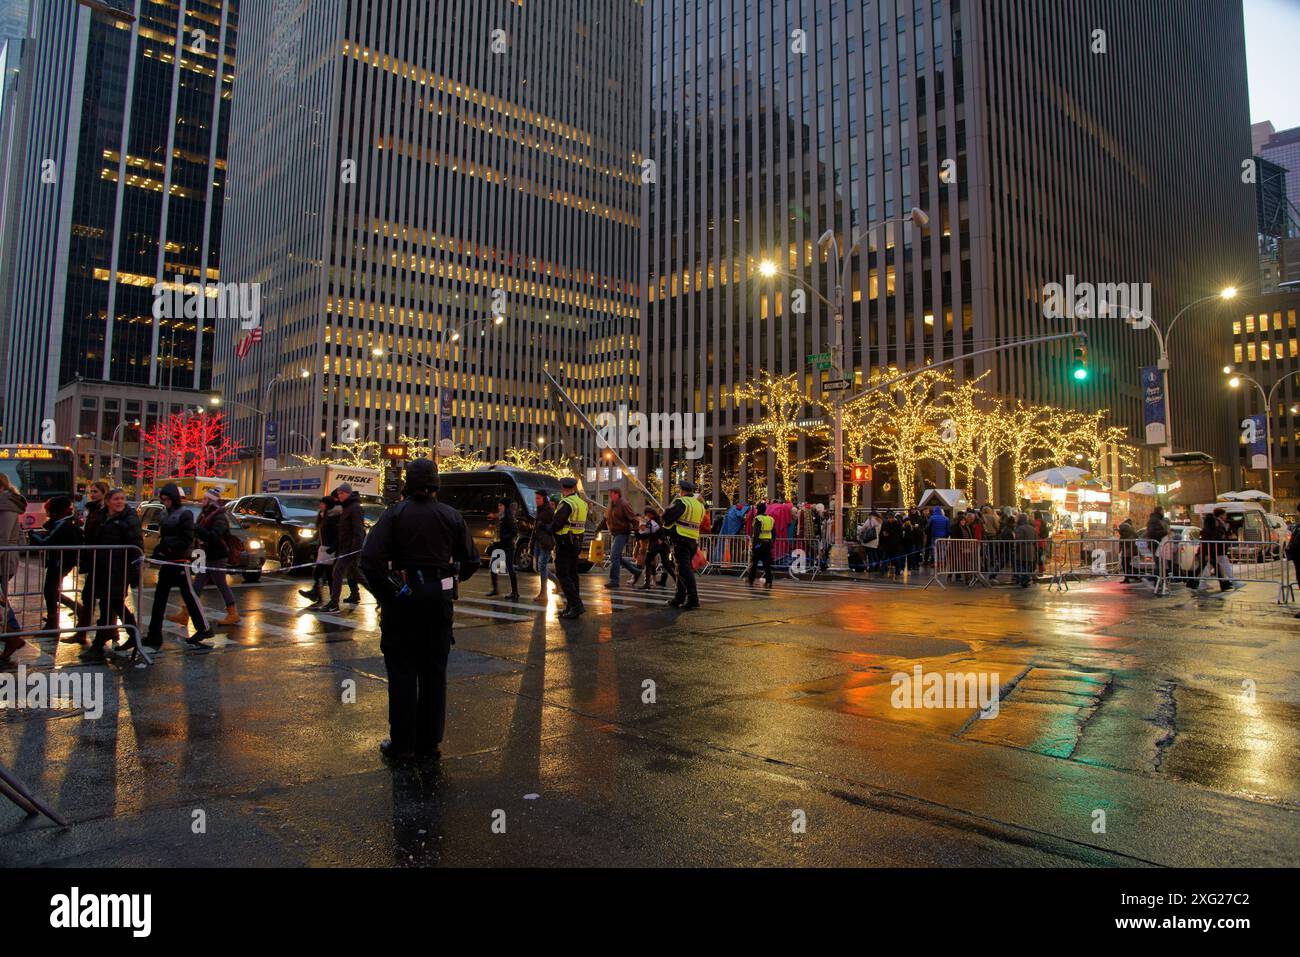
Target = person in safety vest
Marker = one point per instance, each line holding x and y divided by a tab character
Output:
682	522
764	525
569	527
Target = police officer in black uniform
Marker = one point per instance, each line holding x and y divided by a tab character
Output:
412	560
569	526
682	524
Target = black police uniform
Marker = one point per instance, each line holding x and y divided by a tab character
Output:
568	552
411	560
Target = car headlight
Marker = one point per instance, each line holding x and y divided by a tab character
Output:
254	545
306	533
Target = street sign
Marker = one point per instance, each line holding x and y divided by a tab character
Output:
861	474
820	360
835	385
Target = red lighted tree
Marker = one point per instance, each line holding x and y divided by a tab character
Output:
186	445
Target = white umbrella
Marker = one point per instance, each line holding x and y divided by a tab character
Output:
1252	495
1143	488
1060	477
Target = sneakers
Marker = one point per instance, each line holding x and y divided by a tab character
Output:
311	594
611	584
332	606
199	637
353	599
690	606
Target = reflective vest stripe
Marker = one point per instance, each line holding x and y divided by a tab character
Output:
577	516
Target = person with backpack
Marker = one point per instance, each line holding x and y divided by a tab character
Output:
220	549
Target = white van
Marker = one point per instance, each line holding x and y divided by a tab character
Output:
1261	535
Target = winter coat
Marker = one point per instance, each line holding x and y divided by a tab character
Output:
57	534
175	529
327	526
543	540
1026	546
1293	544
621	519
93	515
114	570
12	507
1126	531
352	525
1157	528
507	525
938	526
211	530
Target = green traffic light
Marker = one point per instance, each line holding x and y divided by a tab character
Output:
1081	374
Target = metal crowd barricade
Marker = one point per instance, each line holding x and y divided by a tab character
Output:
958	558
35	577
726	552
1079	559
1231	564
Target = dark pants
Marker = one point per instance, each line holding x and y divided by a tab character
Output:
567	549
169	577
506	545
112	606
763	555
683	552
54	596
415	638
343	566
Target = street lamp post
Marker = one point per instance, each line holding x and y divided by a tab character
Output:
218	400
1163	339
1235	382
121	456
839	266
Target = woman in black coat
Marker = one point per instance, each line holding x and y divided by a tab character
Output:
116	567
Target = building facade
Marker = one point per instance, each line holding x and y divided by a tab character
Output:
404	176
1266	347
1043	141
121	176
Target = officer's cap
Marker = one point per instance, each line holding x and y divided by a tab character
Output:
568	482
687	485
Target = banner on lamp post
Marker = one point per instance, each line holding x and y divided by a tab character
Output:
271	444
1256	436
1153	405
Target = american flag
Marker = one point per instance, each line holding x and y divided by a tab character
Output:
246	343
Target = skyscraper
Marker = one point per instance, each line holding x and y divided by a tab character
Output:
1102	141
120	188
404	175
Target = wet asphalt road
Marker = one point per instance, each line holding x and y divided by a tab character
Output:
759	730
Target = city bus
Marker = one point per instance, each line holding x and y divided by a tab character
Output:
39	472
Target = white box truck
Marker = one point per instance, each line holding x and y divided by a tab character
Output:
322	480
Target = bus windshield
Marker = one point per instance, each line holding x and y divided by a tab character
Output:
38	472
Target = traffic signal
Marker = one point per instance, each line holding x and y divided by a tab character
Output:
1080	367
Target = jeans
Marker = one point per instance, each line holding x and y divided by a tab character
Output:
543	561
618	562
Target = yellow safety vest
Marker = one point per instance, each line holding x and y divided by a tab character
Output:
765	525
688	525
577	515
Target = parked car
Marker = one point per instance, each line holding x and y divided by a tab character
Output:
1180	546
476	495
254	556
